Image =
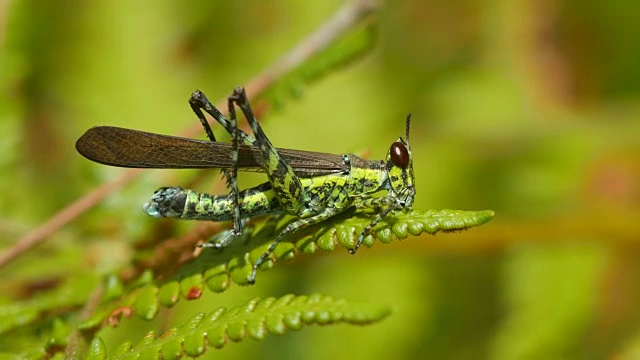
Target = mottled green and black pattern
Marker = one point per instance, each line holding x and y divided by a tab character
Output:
285	183
311	199
182	203
310	186
337	191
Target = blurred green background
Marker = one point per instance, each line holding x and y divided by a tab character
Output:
528	108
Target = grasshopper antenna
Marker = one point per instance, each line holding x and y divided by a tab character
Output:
408	126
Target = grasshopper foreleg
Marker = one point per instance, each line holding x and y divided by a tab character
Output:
387	204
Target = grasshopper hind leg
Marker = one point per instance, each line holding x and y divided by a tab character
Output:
233	178
285	183
197	102
226	237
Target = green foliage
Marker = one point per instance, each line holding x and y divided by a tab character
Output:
351	46
72	293
68	316
217	269
255	320
527	108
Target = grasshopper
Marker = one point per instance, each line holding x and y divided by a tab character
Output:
311	186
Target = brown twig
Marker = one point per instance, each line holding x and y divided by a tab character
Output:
344	19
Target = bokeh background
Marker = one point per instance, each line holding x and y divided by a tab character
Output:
528	108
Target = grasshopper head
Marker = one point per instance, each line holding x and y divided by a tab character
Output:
399	165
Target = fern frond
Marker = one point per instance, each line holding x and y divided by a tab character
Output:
254	320
234	262
69	295
216	269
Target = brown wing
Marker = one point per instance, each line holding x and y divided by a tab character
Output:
121	147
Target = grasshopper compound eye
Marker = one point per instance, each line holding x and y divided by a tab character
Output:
399	154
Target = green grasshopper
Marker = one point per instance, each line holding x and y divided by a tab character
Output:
311	186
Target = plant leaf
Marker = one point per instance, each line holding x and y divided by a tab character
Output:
256	319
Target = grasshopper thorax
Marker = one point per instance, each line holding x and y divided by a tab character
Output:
399	167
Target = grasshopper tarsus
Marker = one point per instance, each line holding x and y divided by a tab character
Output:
208	245
251	280
197	101
356	246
